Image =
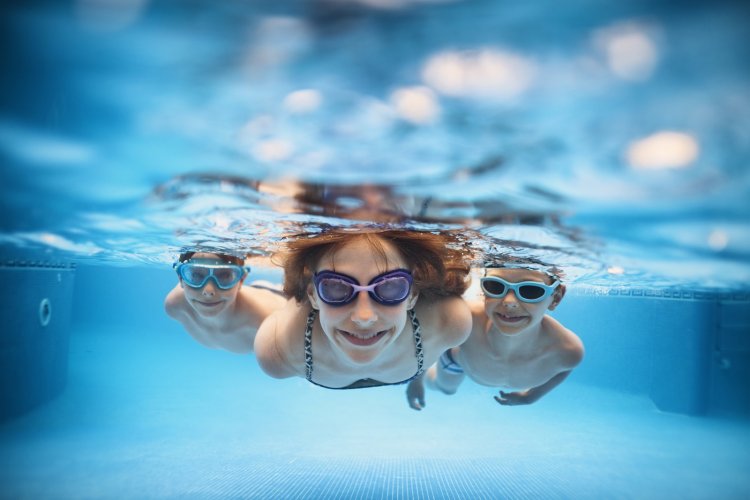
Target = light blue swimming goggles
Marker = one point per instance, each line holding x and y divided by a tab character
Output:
225	276
526	291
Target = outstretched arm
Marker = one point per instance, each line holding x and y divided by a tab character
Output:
531	395
437	378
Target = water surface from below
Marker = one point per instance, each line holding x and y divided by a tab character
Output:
612	140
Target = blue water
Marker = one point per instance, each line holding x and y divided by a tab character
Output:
146	425
609	140
149	413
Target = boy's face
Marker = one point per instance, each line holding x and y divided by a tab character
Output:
210	300
511	315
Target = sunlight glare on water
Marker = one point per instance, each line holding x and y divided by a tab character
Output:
611	142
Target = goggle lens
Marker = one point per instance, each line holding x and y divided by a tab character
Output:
197	275
493	288
334	290
531	292
390	288
527	291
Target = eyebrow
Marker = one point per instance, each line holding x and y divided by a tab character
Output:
210	261
537	274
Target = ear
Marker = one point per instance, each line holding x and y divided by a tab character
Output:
182	285
412	300
238	286
557	297
312	297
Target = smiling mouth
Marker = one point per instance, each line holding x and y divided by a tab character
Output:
510	319
208	304
363	339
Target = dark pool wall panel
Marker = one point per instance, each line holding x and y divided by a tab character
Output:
35	311
132	296
688	351
729	378
681	353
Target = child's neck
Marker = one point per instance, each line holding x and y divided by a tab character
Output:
221	321
505	343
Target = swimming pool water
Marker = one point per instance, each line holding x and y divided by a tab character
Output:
152	425
610	140
148	413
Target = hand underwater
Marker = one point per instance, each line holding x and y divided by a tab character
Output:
415	394
515	398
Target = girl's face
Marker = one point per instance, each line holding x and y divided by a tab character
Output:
362	329
509	314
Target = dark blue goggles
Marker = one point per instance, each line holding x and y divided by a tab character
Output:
389	288
225	276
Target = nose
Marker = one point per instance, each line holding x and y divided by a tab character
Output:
363	314
209	289
510	299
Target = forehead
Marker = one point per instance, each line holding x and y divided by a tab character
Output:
364	255
207	258
517	275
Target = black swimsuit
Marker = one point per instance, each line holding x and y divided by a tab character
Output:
365	382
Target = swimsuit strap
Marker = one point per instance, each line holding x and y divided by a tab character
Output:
417	329
308	344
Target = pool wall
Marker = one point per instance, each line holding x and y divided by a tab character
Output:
687	350
35	317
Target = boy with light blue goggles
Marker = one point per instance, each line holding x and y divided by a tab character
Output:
224	275
514	343
225	315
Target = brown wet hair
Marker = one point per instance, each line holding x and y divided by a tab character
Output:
229	259
437	267
529	263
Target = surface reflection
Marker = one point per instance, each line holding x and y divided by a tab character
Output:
260	215
616	137
387	203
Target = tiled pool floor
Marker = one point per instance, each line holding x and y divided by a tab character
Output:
151	415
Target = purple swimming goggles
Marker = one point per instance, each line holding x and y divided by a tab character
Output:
390	288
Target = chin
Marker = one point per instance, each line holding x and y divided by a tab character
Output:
510	333
205	310
364	357
363	354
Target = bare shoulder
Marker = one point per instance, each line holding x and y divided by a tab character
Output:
448	316
568	343
174	303
278	341
476	307
262	300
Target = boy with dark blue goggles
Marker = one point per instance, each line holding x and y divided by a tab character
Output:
515	343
